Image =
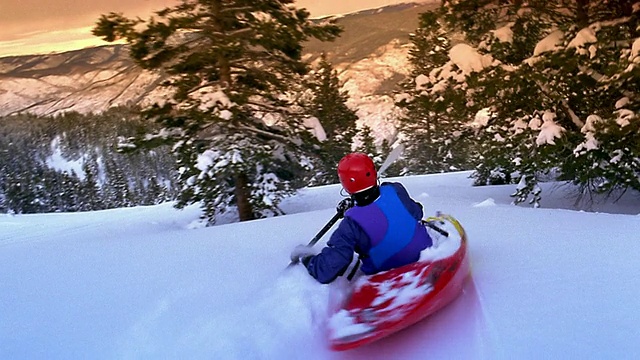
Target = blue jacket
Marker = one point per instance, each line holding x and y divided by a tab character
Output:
386	233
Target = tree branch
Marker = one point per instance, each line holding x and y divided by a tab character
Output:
270	135
565	104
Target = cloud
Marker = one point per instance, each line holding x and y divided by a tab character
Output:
26	16
53	41
39	26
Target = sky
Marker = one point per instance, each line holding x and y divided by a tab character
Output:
555	282
45	26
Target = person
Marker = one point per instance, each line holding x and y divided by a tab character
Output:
384	227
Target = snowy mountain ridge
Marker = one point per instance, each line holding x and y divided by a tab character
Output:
370	56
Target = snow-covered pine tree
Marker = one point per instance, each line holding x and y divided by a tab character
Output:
366	143
116	191
3	201
4	170
434	127
35	153
399	166
90	192
155	193
230	64
22	188
558	83
606	45
328	104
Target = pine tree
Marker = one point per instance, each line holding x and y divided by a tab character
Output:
29	182
117	190
3	200
399	166
70	192
4	170
91	195
25	191
436	110
155	193
329	106
557	82
366	143
230	65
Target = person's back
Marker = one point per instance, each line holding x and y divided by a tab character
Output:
395	236
384	227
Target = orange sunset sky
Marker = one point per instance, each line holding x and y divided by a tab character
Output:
46	26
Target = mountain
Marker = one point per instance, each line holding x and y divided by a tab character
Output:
88	80
370	56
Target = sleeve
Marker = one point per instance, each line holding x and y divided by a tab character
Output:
335	258
415	208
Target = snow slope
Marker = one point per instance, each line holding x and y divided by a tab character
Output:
145	283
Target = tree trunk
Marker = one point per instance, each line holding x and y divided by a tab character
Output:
582	13
245	210
242	191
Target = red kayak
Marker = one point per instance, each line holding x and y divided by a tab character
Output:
387	302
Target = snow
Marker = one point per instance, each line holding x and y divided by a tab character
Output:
421	81
262	16
226	114
487	202
618	156
635	49
468	59
590	142
549	130
144	283
551	42
344	325
206	159
622	102
91	91
584	37
482	118
504	34
625	116
58	162
211	97
315	128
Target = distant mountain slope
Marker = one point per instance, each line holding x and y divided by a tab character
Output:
368	30
371	57
89	80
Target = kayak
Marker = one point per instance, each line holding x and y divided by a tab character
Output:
387	302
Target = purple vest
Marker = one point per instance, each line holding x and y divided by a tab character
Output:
396	237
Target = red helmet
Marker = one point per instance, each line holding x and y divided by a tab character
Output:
357	172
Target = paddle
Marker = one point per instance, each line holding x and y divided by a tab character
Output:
431	225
